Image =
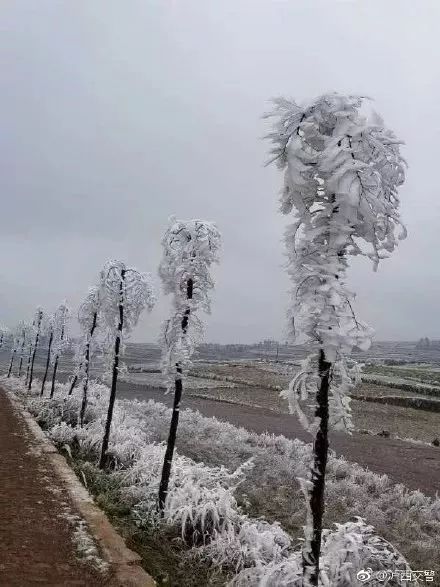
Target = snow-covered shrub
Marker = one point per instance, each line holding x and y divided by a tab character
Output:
200	493
249	543
346	550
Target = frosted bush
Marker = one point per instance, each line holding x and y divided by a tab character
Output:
346	550
204	500
251	542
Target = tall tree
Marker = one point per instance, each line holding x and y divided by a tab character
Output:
4	332
48	330
15	346
37	328
30	346
124	294
342	170
26	331
88	316
60	341
189	249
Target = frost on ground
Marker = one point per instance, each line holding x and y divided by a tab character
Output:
248	517
83	541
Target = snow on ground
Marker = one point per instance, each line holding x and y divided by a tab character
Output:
226	479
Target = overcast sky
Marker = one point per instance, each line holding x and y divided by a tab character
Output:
116	114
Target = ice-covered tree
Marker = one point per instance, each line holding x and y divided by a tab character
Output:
342	168
189	249
124	294
26	331
60	341
15	345
47	330
36	327
88	318
4	332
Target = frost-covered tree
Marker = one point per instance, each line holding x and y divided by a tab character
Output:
47	329
124	294
34	344
342	168
189	249
60	340
4	332
15	345
26	331
88	315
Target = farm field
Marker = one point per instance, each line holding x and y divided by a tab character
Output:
244	392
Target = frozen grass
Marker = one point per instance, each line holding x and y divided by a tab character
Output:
250	515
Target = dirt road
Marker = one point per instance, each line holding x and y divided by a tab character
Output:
36	545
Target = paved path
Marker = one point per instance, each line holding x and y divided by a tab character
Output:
36	545
416	466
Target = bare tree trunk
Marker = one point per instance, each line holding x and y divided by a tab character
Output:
55	367
47	363
316	493
23	342
166	469
31	372
73	383
104	448
54	376
11	362
28	364
178	388
87	369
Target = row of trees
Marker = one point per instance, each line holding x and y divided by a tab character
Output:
111	311
342	168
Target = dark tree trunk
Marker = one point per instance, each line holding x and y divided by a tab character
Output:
103	458
28	368
31	372
47	364
11	362
54	376
1	340
166	469
23	342
55	367
87	369
316	493
73	383
178	389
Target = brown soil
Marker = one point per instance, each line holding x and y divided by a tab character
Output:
36	546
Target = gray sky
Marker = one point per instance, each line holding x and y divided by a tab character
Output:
116	114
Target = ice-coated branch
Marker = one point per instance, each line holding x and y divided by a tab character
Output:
342	169
189	249
135	295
